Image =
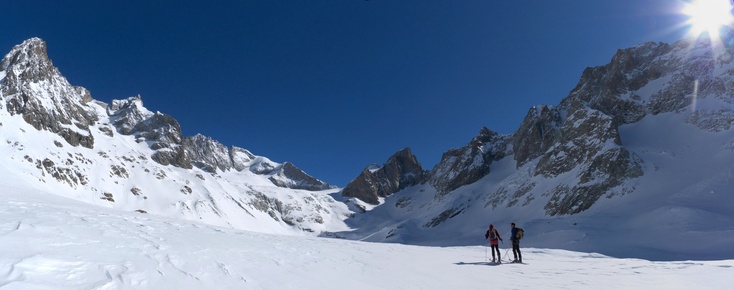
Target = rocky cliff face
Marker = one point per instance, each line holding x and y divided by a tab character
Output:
400	171
646	80
207	153
588	143
536	134
689	71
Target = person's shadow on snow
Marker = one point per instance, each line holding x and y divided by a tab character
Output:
477	264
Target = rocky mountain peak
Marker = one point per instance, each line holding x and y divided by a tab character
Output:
127	113
465	165
29	60
34	88
398	172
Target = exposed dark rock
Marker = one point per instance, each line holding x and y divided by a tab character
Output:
108	197
400	171
207	153
466	165
585	133
536	134
163	133
66	175
107	131
160	131
443	216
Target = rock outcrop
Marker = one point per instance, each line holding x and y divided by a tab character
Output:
207	153
466	165
400	171
160	131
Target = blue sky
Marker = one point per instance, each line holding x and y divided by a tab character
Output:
333	86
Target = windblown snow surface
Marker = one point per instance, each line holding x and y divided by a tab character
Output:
51	242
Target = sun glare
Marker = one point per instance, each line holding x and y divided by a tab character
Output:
708	16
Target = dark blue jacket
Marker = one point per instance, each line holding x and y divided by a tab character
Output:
513	234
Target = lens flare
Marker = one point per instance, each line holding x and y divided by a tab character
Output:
695	96
708	16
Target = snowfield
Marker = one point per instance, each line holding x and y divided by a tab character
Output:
51	242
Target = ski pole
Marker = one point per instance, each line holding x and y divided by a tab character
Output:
486	254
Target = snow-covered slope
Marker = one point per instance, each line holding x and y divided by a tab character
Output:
51	242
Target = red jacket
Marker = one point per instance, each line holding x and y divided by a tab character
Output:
493	242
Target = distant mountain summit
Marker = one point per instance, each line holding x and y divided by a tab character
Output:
103	155
400	171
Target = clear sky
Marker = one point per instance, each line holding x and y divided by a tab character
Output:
333	86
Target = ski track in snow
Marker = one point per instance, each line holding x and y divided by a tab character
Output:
50	242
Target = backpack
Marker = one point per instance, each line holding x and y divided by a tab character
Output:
493	234
520	234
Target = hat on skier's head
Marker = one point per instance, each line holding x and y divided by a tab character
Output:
491	226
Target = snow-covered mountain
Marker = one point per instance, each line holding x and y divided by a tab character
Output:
635	161
121	155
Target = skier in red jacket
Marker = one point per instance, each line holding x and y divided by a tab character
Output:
494	237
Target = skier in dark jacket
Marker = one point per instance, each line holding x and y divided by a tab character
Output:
515	245
494	237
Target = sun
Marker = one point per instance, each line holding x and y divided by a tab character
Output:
708	16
